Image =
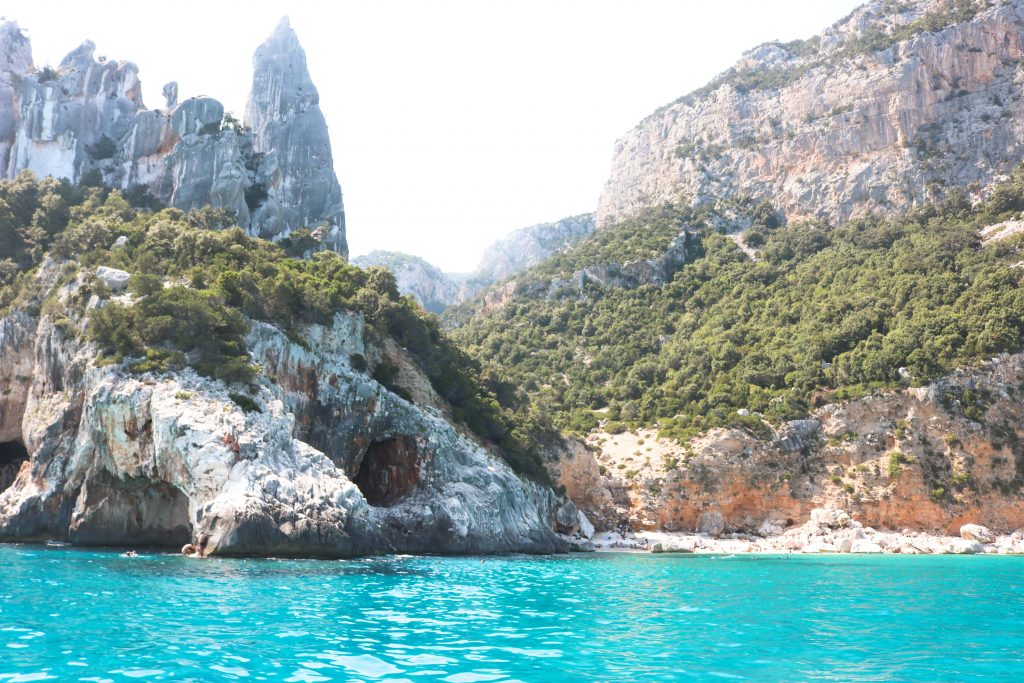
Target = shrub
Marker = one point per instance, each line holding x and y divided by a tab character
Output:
245	403
896	460
104	148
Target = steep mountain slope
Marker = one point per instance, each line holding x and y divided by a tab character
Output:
805	291
882	112
521	249
714	386
529	246
432	288
85	121
169	381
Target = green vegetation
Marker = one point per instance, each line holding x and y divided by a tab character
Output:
824	314
245	403
197	282
895	465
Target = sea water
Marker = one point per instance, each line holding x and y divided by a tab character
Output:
76	615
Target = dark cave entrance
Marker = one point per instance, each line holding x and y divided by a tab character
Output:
12	455
388	471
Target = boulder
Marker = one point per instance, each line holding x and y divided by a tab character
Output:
711	523
976	532
673	547
567	518
770	527
864	546
831	518
586	528
962	546
116	280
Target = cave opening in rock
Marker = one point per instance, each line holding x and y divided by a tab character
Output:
12	455
388	471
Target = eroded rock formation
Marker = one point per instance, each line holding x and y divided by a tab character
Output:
275	173
317	459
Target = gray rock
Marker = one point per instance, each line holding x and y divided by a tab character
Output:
586	528
567	518
844	132
529	246
864	546
88	116
290	136
830	518
673	547
711	523
113	278
125	460
432	289
436	290
962	546
170	93
976	532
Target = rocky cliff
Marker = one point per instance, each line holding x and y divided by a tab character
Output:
433	289
315	458
86	119
436	290
529	246
931	458
884	110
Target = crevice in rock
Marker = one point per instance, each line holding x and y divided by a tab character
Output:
388	471
12	455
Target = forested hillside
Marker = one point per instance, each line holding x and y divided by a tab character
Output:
820	313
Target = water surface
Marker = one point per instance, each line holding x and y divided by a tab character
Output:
75	615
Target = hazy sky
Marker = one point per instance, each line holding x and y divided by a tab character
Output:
452	122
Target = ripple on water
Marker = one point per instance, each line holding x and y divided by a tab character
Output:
607	618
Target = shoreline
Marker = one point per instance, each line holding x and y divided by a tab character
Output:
828	532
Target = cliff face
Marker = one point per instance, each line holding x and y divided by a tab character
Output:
881	112
436	290
527	247
317	459
87	115
425	282
291	143
930	458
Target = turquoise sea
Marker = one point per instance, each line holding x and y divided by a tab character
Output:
76	615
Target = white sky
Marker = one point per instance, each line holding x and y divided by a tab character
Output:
452	122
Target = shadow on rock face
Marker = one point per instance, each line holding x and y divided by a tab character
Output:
150	513
388	471
12	455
